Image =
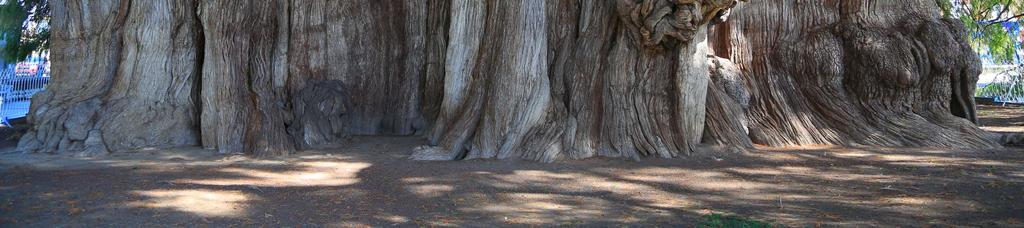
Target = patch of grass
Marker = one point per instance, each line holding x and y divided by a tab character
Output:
731	221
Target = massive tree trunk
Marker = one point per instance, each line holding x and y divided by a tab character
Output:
861	72
545	81
356	68
124	77
243	89
527	79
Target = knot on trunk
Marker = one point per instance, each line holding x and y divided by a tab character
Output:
678	20
319	113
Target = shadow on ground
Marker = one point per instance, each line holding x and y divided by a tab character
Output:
370	182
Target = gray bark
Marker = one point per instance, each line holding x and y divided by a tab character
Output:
107	96
888	73
630	82
372	54
504	79
243	109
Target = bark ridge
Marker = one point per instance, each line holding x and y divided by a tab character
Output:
503	79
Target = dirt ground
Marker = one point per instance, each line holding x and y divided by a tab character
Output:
370	182
1001	118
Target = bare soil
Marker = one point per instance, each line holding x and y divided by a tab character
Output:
370	182
1005	119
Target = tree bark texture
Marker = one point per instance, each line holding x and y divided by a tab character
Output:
124	77
862	72
524	79
243	94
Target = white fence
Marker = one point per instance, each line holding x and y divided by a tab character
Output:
1001	74
16	90
994	73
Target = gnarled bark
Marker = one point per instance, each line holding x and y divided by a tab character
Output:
244	109
106	96
889	73
630	83
374	49
527	79
727	105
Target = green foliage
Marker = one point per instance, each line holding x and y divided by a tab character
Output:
946	6
20	39
731	221
983	20
999	43
1000	89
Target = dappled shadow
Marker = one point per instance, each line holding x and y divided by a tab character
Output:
307	173
211	203
1000	119
371	183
